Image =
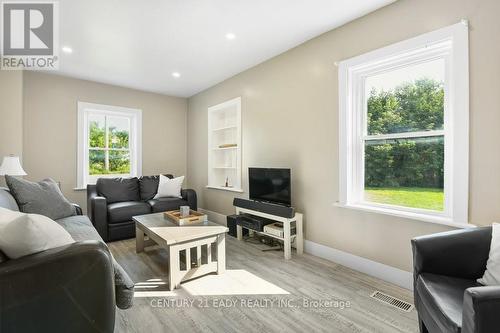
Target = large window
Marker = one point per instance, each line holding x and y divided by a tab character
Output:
404	128
109	142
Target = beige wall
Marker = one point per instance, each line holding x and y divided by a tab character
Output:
50	127
11	114
290	119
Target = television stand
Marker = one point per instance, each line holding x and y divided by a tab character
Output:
288	239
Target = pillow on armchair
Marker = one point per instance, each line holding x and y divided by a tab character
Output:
43	197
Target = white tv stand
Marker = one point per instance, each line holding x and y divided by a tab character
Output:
298	238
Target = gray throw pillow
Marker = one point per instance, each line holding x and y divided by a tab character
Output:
44	198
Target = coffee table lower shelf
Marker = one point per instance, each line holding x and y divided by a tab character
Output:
187	259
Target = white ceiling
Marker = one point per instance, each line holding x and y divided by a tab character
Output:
139	44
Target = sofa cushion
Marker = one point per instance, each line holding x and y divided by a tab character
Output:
7	200
122	230
123	211
81	229
43	197
149	186
165	204
3	257
118	189
443	299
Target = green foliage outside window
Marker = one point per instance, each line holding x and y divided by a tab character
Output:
117	139
97	135
405	163
117	156
410	107
408	162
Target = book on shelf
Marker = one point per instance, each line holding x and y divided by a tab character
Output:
228	145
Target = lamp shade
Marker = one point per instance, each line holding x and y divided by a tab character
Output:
11	166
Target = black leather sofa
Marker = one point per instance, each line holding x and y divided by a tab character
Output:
447	296
72	288
112	202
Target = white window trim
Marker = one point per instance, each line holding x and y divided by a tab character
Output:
135	140
451	42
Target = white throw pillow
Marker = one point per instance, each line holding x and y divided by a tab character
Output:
22	234
7	215
491	276
169	187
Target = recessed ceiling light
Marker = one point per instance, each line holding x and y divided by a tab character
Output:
230	36
176	74
67	49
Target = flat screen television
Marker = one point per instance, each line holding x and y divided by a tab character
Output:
270	185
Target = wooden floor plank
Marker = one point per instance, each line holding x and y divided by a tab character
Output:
304	277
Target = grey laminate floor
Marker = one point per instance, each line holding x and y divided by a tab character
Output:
305	278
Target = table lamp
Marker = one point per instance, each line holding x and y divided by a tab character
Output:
11	166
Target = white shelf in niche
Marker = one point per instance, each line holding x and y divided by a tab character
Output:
224	163
226	148
231	189
224	128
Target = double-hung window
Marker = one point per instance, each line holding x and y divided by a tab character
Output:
109	142
404	128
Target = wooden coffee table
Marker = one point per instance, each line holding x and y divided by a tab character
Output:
181	242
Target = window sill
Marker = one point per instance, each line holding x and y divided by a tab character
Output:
408	215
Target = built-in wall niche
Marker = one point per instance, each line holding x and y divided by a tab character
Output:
224	146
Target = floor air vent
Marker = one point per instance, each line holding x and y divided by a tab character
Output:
393	301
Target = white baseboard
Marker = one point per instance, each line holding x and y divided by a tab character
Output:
214	216
384	272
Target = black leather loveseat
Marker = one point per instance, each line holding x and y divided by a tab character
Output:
112	202
447	296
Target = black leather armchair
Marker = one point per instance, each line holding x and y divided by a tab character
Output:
112	203
447	296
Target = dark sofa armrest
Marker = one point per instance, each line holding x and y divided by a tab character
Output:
481	310
78	209
459	253
97	210
190	196
66	289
